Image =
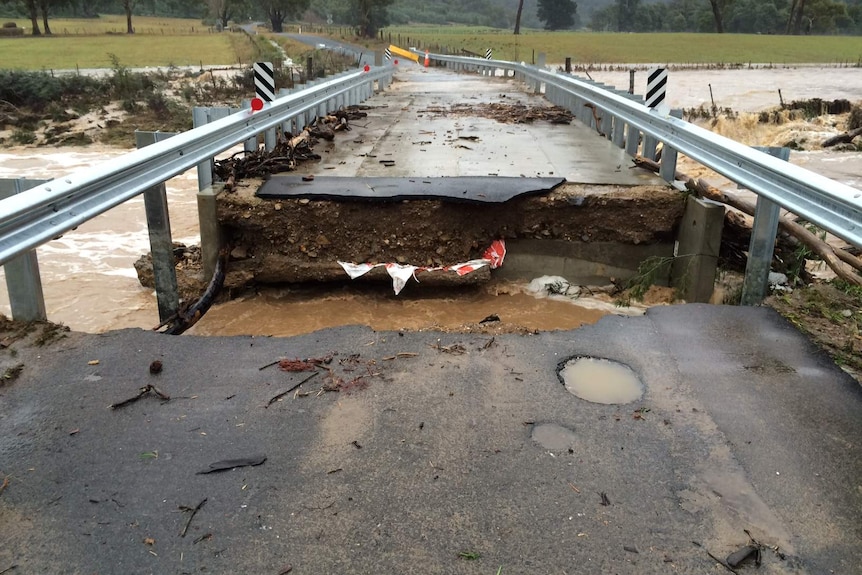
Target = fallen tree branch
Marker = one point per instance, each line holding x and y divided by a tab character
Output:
827	253
194	511
186	318
141	393
844	138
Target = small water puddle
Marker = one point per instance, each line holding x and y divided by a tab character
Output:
601	380
553	437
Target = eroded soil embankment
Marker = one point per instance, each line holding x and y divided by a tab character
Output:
299	240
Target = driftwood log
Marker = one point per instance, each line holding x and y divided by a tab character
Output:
844	138
834	258
186	317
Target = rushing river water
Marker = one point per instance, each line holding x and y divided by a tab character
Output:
91	285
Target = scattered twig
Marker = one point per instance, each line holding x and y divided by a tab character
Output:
204	537
283	393
716	559
228	464
400	355
574	487
143	391
270	364
8	569
192	516
454	349
319	507
605	500
5	484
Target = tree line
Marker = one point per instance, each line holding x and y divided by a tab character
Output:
369	16
735	16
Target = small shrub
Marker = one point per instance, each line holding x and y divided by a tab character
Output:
23	137
854	122
158	103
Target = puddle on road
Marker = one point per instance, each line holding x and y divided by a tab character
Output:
601	380
554	437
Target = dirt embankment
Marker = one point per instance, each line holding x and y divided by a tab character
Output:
297	240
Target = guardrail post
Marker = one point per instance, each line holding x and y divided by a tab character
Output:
633	134
762	244
23	282
250	145
760	251
698	245
668	156
161	244
200	117
287	125
212	236
619	135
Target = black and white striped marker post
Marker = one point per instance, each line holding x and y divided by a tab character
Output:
656	88
654	98
264	81
488	54
387	53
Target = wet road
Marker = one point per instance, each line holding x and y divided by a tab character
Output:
441	454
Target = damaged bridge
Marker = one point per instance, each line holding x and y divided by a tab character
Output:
350	450
434	170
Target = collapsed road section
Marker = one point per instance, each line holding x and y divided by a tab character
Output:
413	179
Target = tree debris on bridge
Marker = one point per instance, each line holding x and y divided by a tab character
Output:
837	259
289	150
505	113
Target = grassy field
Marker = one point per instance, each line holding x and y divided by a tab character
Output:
116	24
86	43
607	48
67	52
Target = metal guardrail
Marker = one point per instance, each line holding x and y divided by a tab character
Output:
833	206
40	214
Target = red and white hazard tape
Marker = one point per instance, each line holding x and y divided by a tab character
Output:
401	273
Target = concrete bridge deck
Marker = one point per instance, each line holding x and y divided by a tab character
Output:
428	122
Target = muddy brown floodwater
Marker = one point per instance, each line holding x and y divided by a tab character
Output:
285	312
90	283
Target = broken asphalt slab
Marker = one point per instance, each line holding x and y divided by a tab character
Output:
464	188
425	461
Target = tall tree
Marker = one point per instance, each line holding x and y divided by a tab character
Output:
224	10
31	7
279	10
557	14
518	17
797	16
43	7
129	6
370	16
718	7
628	15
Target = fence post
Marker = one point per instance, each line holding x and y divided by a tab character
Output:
161	244
23	282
